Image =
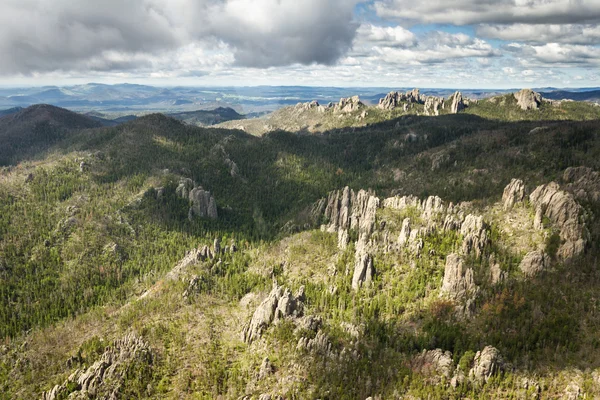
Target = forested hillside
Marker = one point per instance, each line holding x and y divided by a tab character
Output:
397	255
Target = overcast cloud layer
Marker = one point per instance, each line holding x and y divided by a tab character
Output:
477	43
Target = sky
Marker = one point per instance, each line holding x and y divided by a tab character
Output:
376	43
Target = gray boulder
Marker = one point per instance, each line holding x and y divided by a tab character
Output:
514	193
486	364
527	99
390	101
458	281
533	263
203	203
433	363
348	105
564	212
185	187
363	269
433	105
457	103
474	231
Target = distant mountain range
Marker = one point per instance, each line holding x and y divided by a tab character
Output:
130	99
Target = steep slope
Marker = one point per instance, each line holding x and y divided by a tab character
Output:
35	129
301	287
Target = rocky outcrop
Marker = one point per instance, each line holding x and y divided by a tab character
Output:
533	263
456	103
474	231
527	99
185	187
433	363
402	203
279	304
404	233
458	281
319	344
390	101
583	183
395	99
348	105
203	204
564	212
433	105
487	363
192	257
363	269
347	210
514	193
106	377
432	206
311	105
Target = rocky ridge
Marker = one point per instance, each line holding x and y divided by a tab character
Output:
203	204
107	376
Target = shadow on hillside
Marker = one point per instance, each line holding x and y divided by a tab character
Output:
539	326
281	174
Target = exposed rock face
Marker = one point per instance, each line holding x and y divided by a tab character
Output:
433	205
514	193
394	99
348	105
105	378
311	105
203	203
458	280
457	103
583	183
533	263
404	233
527	99
434	363
363	269
185	187
348	210
280	303
486	364
475	235
390	101
433	105
401	203
562	209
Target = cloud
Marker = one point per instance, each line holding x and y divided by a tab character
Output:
556	55
399	46
551	33
466	12
62	35
389	36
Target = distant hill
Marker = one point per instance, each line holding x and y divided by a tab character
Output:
208	117
106	121
592	95
10	111
34	129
